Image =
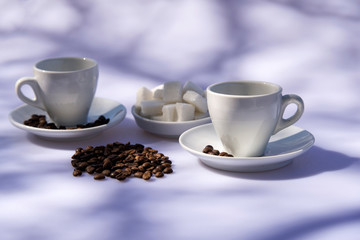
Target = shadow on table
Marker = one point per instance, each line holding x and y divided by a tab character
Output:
315	161
310	228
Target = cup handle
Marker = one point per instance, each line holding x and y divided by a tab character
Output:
38	101
286	100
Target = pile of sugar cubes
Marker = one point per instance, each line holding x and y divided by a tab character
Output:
173	102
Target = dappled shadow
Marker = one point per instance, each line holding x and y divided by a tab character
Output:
308	46
312	227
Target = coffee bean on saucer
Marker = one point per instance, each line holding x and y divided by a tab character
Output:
225	154
214	152
39	121
210	150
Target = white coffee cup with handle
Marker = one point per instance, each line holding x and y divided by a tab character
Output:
245	114
63	87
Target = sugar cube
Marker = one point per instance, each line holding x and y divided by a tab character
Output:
159	93
185	111
151	107
189	85
169	113
142	94
197	100
172	92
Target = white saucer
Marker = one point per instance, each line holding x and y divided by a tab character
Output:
108	108
282	148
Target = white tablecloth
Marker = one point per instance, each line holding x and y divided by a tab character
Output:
310	47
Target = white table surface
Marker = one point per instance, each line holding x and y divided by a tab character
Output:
311	48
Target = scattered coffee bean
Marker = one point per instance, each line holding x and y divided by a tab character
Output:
120	161
147	175
106	172
99	176
77	173
138	174
39	121
210	150
90	169
168	170
159	174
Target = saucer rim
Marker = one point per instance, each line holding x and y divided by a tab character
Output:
309	145
246	164
66	133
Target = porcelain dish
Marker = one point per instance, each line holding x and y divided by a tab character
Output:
166	129
281	149
111	109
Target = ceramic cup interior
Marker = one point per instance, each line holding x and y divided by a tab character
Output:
250	89
68	64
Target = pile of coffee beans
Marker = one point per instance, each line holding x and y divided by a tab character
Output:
120	161
39	121
210	150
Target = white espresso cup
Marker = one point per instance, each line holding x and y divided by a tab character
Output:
63	87
246	113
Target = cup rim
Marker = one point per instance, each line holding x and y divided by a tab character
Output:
92	64
209	89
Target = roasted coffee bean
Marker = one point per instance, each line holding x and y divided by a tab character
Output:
77	173
99	176
120	161
146	165
166	161
39	121
127	171
168	170
90	169
114	174
147	175
74	163
210	150
106	172
159	174
214	152
225	154
121	176
138	174
82	166
158	169
107	163
134	169
165	165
